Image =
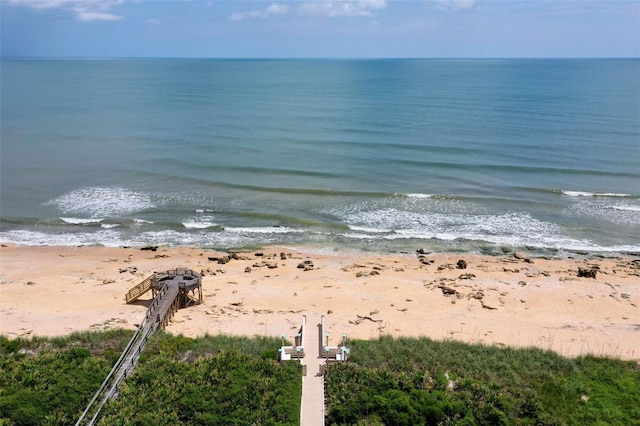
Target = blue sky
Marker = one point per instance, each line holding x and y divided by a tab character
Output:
320	28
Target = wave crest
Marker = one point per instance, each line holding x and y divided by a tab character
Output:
595	194
80	221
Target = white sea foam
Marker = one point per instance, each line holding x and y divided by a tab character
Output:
199	238
263	230
102	201
514	229
611	194
578	194
418	195
199	225
141	221
627	208
109	225
595	194
80	221
113	238
369	229
199	222
507	228
533	240
617	211
400	219
359	236
104	237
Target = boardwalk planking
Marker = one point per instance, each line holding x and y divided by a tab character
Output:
312	406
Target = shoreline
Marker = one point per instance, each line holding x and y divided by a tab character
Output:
508	300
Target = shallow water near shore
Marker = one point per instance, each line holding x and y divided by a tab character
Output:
380	155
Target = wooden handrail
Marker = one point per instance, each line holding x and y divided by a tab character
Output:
139	290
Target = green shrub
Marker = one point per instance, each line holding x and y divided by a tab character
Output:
223	380
52	381
455	383
8	346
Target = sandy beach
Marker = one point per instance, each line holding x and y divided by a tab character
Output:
511	300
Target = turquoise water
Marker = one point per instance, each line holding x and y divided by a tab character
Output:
367	154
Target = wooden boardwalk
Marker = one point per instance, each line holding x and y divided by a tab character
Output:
312	405
164	305
157	316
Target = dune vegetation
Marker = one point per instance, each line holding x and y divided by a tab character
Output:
419	381
237	380
178	380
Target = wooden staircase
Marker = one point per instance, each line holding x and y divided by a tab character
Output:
139	290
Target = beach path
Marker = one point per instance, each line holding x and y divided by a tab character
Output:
312	407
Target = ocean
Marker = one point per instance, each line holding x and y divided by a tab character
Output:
374	155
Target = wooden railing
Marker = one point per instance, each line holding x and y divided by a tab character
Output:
139	290
294	352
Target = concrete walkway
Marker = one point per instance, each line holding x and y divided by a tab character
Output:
312	407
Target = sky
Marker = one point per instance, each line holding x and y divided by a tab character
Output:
320	28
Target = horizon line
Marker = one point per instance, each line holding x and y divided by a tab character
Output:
337	58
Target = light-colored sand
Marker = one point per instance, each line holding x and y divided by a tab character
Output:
51	291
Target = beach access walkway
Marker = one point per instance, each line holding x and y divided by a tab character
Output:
161	308
170	292
312	405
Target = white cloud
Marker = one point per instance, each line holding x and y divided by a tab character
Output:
455	4
87	15
277	9
329	8
44	4
83	10
271	10
334	8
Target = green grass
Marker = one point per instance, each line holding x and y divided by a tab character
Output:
420	381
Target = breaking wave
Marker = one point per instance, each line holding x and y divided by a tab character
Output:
595	194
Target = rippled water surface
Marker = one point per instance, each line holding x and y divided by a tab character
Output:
369	154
